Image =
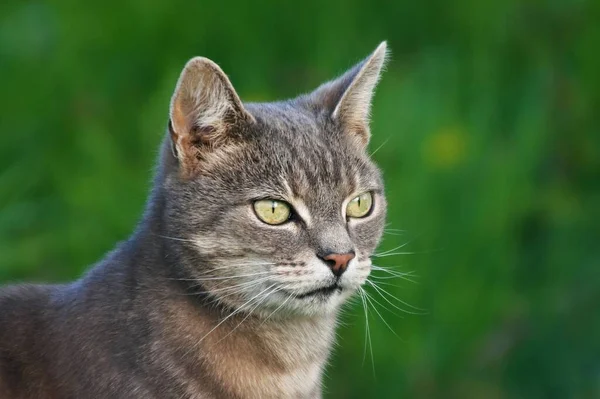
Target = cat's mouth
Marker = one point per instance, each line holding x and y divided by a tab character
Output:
323	291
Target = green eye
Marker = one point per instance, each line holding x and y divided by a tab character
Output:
272	211
360	205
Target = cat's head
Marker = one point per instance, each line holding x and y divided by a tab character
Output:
277	207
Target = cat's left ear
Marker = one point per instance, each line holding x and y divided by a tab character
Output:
348	98
205	112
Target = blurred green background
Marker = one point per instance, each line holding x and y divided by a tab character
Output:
486	125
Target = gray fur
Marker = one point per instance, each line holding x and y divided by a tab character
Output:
164	314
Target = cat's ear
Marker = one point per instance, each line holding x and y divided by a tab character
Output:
348	98
205	110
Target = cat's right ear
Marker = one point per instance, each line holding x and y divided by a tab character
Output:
205	111
348	98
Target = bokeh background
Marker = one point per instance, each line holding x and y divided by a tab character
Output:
486	125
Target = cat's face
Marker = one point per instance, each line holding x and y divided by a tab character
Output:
275	208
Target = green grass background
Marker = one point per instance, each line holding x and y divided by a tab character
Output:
486	125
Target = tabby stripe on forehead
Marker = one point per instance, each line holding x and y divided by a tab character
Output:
299	181
328	161
338	173
352	177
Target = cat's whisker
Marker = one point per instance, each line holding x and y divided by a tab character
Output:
390	269
393	277
214	269
258	303
220	297
391	250
176	238
344	311
384	306
249	263
360	292
230	315
367	330
393	274
384	283
225	285
379	254
383	294
221	277
392	254
392	229
236	288
279	307
212	277
369	299
392	233
234	265
380	146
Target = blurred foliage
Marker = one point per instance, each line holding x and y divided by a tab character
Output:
486	125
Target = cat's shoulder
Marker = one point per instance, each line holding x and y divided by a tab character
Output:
23	295
22	306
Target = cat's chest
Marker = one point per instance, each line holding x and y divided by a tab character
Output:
251	381
289	369
304	382
292	372
247	358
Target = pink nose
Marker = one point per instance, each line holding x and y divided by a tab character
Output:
338	263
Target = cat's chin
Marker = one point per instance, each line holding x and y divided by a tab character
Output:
318	302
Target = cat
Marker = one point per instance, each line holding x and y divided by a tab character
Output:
259	226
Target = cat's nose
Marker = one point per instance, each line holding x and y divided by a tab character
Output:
338	263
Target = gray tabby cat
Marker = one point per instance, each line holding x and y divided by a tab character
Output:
261	223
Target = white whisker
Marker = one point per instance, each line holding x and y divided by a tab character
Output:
237	287
176	238
279	307
367	330
393	274
221	277
396	230
380	146
384	283
379	314
258	303
239	309
391	269
381	292
249	263
390	277
392	254
391	250
393	233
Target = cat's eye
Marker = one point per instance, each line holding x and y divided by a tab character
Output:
272	211
359	206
